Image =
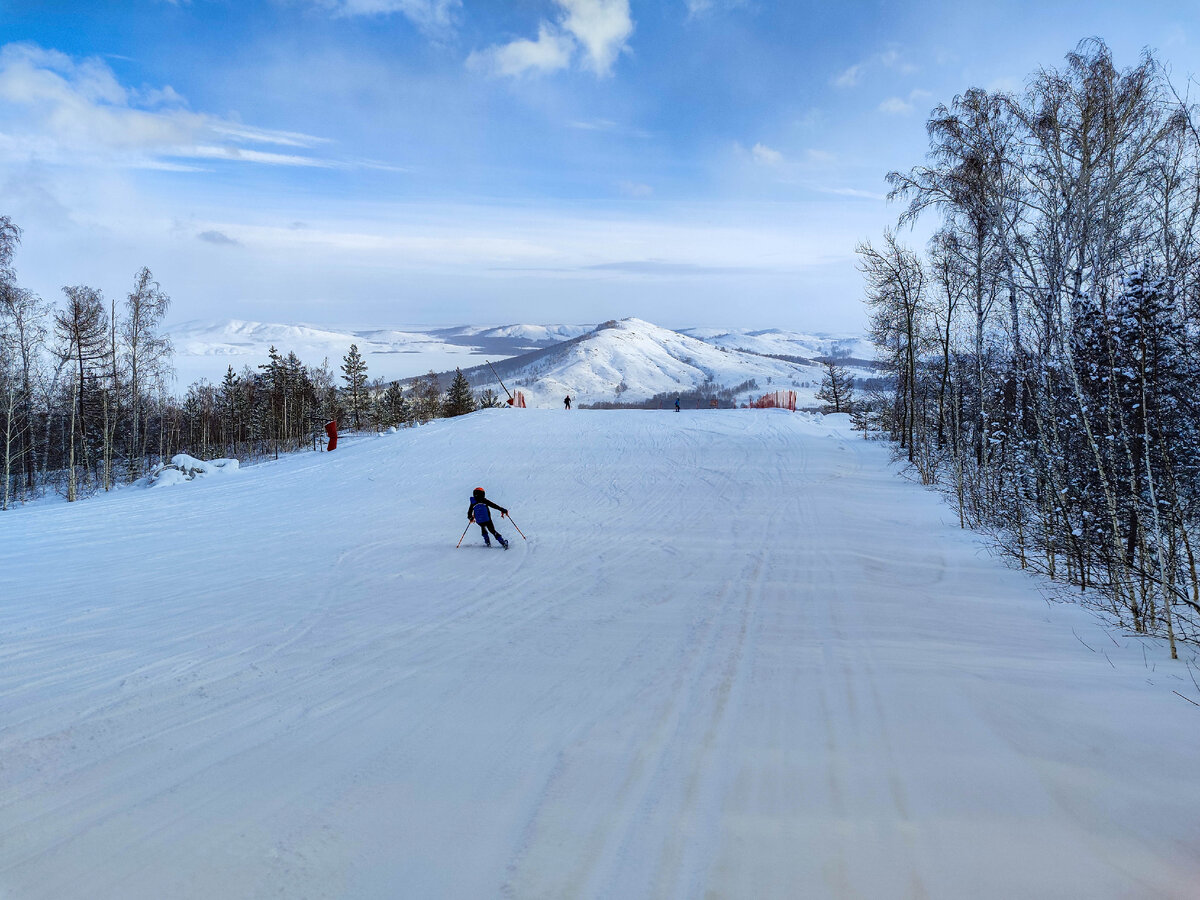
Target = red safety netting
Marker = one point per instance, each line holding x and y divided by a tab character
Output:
776	400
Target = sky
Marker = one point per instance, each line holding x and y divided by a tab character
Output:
406	162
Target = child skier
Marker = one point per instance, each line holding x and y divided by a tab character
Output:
478	512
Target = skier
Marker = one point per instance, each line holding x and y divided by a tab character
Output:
676	404
567	401
479	513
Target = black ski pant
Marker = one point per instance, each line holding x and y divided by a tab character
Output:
485	527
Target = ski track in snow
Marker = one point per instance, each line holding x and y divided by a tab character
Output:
737	657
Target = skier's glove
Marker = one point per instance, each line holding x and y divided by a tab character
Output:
503	511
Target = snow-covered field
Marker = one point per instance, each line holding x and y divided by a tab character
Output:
737	657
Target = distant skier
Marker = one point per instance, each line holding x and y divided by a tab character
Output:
676	404
567	401
478	512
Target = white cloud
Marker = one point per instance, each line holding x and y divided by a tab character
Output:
899	106
549	53
764	155
888	59
241	154
598	29
59	109
891	59
219	238
428	15
851	192
595	125
851	77
601	26
634	189
895	106
700	7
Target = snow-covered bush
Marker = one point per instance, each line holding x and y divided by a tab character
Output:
183	468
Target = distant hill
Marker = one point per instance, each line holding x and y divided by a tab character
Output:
625	361
631	360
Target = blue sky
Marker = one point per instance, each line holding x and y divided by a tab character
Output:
691	162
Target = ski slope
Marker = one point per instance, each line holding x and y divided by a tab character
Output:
737	657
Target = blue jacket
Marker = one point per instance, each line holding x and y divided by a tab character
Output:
478	511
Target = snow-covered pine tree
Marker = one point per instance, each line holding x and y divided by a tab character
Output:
488	399
392	408
231	411
459	399
354	373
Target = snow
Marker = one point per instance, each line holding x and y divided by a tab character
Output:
539	335
781	342
736	657
184	468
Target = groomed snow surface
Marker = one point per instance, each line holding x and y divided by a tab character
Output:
737	658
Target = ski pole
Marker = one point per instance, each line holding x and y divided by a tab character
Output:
464	534
493	368
514	525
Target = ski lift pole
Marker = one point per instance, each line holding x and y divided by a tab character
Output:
493	368
464	534
514	525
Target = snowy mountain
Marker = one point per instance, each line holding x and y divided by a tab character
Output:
532	335
632	360
777	342
623	361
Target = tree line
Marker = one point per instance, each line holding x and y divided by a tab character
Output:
86	398
1044	343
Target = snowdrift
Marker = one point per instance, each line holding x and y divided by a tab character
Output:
183	468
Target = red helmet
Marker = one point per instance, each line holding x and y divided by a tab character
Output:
478	491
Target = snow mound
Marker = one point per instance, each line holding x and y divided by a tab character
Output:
183	468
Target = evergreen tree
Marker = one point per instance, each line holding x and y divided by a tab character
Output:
231	410
489	399
459	399
354	373
426	393
392	407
